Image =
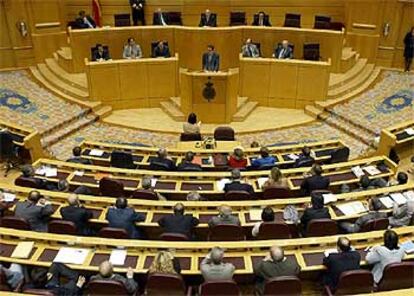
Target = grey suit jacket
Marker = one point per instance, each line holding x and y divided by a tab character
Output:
252	53
229	220
132	52
36	216
216	272
381	256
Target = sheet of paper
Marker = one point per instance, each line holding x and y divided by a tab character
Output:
40	171
387	202
50	172
409	131
71	255
153	182
372	170
409	195
261	181
118	257
399	198
96	152
358	172
9	197
255	214
329	197
352	208
330	251
408	246
222	183
79	173
293	156
23	250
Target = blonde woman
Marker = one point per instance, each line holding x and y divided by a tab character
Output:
275	179
165	262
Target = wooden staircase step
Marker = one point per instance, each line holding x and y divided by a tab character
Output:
76	80
103	112
355	82
176	101
337	79
65	53
244	111
241	101
172	110
348	53
313	111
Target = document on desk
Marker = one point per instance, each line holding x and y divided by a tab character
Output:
23	250
407	246
386	201
50	172
293	156
409	195
399	198
261	181
372	170
40	171
329	197
71	255
118	257
96	152
358	172
352	208
255	214
409	131
221	183
153	182
9	197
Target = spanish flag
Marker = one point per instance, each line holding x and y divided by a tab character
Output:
96	12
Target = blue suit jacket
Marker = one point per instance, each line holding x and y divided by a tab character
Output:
125	219
212	65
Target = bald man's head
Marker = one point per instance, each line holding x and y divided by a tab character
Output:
343	244
105	269
179	209
73	200
216	255
277	253
225	211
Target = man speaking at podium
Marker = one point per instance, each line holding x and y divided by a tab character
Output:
211	60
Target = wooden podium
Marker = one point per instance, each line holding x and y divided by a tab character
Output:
211	95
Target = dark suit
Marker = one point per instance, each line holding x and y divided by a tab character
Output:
164	52
36	216
210	22
310	214
79	216
80	23
189	167
314	183
162	164
79	159
337	263
211	61
125	219
304	161
237	186
265	21
137	12
97	56
183	224
156	20
283	53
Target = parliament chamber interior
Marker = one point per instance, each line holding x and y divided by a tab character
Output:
206	147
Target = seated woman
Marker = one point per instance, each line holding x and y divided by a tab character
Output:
276	179
165	262
268	215
316	210
237	160
381	256
191	126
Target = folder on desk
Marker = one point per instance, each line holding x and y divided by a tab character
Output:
96	152
23	250
329	197
386	201
399	198
409	195
261	181
372	170
293	156
9	197
50	172
409	131
255	214
118	257
358	172
71	256
352	208
408	246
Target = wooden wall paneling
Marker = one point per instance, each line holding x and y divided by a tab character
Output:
254	83
6	47
407	21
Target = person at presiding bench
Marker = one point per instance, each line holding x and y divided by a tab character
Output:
36	210
237	159
191	126
100	54
305	159
162	162
77	214
84	21
250	49
160	18
276	179
374	213
261	19
224	217
336	263
187	164
283	51
214	269
275	264
265	159
161	50
211	60
106	273
314	181
208	19
77	158
236	185
178	222
381	256
316	210
121	216
132	50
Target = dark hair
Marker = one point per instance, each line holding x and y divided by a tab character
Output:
344	244
317	169
364	181
189	156
82	12
77	151
192	118
306	151
317	200
38	276
268	215
264	152
130	38
121	203
376	204
391	240
27	170
402	178
210	46
34	196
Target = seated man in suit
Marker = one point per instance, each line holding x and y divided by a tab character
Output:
224	217
28	173
275	264
132	50
160	18
316	210
283	51
236	184
249	49
77	158
77	214
100	54
211	60
178	222
374	213
265	159
305	159
315	181
106	273
36	210
261	19
162	162
188	165
336	263
84	21
214	269
121	216
146	185
208	19
161	50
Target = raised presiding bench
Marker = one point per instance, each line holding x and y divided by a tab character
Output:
396	136
308	252
142	156
133	83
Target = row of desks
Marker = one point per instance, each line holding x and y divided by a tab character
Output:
396	136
